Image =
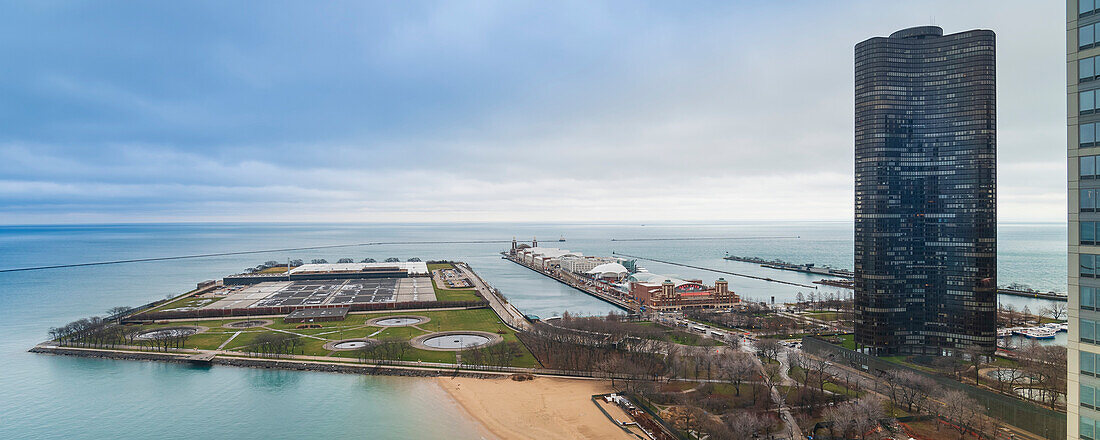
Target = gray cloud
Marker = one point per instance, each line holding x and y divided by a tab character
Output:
493	111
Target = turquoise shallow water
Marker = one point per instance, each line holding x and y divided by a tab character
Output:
58	397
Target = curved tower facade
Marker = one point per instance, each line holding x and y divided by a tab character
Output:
925	191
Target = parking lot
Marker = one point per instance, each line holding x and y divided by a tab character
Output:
328	292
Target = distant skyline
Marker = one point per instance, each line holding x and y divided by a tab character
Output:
480	111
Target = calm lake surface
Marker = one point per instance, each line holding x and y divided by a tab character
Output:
59	397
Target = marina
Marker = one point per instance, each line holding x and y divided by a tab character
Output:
1045	331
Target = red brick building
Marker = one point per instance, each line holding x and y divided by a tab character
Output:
659	292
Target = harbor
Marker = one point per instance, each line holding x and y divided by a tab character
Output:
601	294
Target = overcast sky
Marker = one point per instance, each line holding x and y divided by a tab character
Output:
479	111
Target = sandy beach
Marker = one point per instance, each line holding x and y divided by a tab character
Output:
543	408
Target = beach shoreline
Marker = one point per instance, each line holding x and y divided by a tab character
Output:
542	408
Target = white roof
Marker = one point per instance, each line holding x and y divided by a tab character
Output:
652	278
551	252
614	268
413	267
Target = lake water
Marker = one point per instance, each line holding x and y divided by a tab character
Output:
59	397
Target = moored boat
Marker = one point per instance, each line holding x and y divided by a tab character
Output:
1038	333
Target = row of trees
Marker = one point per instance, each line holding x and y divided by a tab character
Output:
500	354
389	349
276	344
1045	369
1009	316
825	300
95	330
752	316
742	409
569	349
913	393
103	333
855	417
1040	367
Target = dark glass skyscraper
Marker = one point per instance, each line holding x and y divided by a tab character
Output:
926	212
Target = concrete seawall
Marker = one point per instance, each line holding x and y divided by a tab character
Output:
281	364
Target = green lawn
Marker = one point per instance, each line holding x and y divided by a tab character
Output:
183	300
451	294
824	315
455	294
438	266
799	375
353	327
684	338
849	341
715	325
679	337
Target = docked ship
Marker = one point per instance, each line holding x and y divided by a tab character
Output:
1038	332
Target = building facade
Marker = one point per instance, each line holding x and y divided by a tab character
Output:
1083	344
925	191
665	293
583	264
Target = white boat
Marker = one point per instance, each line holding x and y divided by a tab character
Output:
1057	326
1004	332
1039	333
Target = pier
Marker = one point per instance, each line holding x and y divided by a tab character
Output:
804	268
629	306
847	280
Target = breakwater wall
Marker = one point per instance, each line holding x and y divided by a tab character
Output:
280	364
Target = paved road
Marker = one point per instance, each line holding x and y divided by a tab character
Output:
791	425
507	312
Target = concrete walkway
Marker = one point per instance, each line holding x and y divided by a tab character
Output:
506	311
792	430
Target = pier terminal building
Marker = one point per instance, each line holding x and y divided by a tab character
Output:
608	277
664	293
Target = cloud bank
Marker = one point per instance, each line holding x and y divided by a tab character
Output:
480	111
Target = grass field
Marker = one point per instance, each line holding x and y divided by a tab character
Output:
799	375
824	315
849	341
680	337
355	327
186	302
442	294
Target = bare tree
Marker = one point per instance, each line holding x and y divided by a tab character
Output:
858	417
117	313
767	347
1046	365
737	366
909	389
1056	310
745	424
